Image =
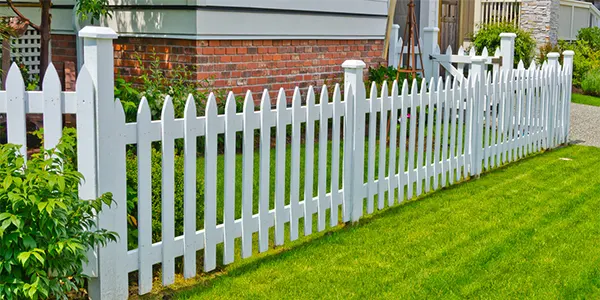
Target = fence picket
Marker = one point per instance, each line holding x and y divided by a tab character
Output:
295	212
336	197
402	175
487	121
248	174
264	180
383	120
371	188
461	116
421	136
392	144
52	108
210	185
15	109
429	146
324	114
280	150
412	140
446	130
189	187
168	192
232	122
437	167
452	120
309	152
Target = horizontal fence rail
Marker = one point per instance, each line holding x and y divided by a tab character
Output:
358	151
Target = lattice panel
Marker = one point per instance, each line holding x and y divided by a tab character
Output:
27	50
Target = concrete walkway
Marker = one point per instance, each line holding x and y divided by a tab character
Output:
585	125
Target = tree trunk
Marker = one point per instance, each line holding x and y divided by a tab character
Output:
45	37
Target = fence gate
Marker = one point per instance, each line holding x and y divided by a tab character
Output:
449	23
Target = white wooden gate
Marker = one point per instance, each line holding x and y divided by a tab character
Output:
446	133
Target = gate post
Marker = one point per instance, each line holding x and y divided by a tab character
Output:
507	50
430	66
568	65
478	70
111	281
354	137
552	124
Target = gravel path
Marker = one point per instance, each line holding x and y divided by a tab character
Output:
585	125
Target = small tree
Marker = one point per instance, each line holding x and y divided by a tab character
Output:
92	9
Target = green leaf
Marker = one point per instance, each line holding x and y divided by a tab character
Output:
7	182
61	184
29	242
38	257
23	257
4	215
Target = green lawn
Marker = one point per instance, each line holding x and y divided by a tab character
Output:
530	229
585	99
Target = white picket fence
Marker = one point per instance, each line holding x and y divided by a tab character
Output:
457	128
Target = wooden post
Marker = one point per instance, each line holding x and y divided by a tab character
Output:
355	135
111	281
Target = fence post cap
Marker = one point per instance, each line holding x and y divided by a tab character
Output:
508	35
395	26
98	32
553	55
431	29
569	53
354	64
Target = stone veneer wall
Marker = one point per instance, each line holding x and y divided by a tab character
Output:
540	17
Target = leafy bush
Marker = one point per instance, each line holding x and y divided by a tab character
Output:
388	74
585	60
590	84
590	35
45	228
132	183
489	36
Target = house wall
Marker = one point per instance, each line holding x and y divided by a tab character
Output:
541	18
237	65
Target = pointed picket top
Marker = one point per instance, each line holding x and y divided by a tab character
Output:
436	49
337	94
373	93
167	109
431	85
190	107
440	84
230	105
532	66
544	65
498	76
472	52
248	103
498	52
265	102
14	78
143	112
414	88
120	114
447	84
405	88
395	88
449	50
281	100
454	82
310	97
51	79
296	99
84	80
384	89
424	87
461	51
324	95
521	65
484	52
488	77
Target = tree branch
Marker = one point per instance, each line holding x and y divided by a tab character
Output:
20	15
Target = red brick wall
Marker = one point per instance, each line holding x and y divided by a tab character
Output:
64	58
237	65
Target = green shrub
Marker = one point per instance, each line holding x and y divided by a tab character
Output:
590	35
585	60
132	200
45	228
489	36
388	74
590	84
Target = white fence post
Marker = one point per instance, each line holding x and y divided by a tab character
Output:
568	65
507	50
355	136
478	71
111	281
553	64
430	39
392	51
